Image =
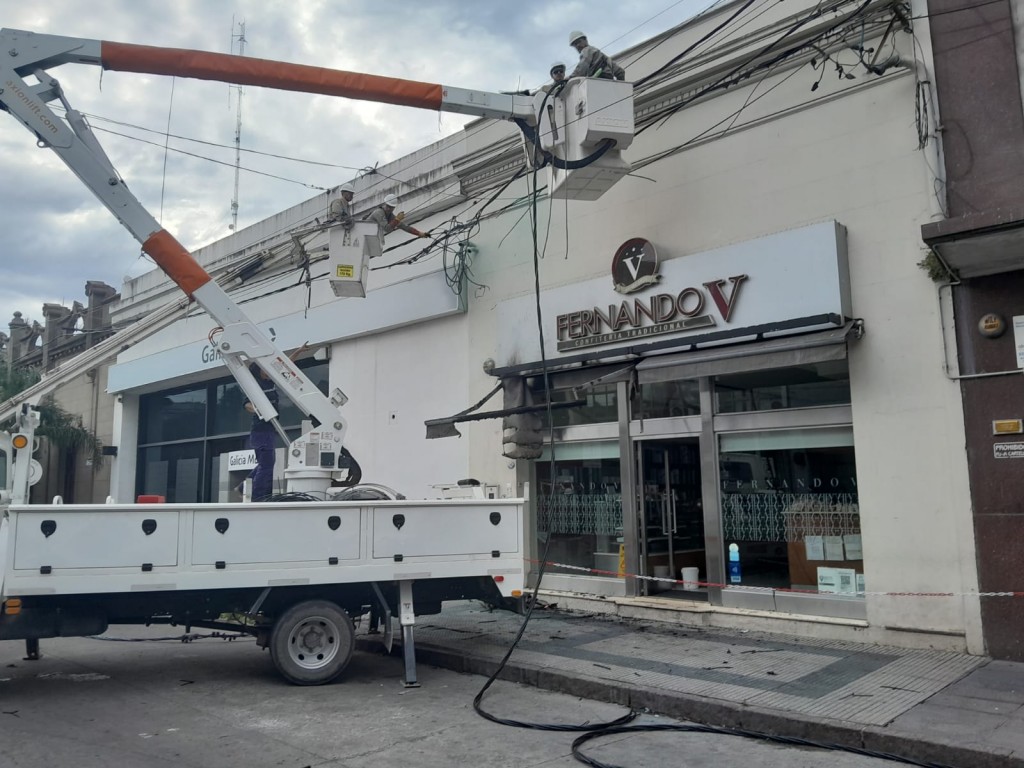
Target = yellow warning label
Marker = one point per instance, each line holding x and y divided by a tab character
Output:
622	560
345	270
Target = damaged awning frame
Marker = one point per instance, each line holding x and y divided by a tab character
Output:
734	337
445	427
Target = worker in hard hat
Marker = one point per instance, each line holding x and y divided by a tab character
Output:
340	209
557	73
388	221
593	63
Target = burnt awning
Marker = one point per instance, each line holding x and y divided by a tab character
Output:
780	352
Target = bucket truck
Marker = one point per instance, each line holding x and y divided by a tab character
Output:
298	573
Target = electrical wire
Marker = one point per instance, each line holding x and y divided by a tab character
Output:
689	49
212	160
739	73
168	135
163	176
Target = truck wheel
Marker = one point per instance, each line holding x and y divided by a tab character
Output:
312	642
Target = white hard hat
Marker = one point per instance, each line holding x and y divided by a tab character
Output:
347	188
556	65
575	35
391	200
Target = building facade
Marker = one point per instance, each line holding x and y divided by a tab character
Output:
751	418
977	245
73	475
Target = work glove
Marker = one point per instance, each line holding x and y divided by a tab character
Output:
399	216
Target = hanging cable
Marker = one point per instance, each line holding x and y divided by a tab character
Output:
163	177
545	376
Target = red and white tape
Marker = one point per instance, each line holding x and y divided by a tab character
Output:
748	588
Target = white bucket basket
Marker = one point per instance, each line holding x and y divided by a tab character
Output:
350	252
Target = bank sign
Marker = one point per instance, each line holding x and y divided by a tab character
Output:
782	277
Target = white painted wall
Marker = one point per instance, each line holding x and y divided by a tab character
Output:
396	381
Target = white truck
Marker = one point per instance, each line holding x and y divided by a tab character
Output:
293	574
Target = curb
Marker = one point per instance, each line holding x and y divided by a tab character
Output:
697	709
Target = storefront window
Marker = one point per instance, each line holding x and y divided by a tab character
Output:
182	434
790	514
173	471
801	386
665	399
581	509
602	406
229	414
173	416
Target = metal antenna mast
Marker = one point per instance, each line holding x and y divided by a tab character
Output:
238	122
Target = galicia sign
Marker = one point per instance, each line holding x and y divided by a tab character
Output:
241	460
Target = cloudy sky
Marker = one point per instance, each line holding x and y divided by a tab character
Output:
54	235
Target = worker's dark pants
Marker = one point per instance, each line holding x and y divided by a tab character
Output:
262	443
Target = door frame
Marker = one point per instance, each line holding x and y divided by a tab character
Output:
633	431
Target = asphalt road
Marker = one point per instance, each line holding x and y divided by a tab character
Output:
90	703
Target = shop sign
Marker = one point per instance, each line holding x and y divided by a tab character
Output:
210	354
635	266
238	460
653	316
798	274
1009	450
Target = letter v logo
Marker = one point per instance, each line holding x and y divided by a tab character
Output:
725	306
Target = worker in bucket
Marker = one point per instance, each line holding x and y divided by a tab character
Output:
388	221
262	435
593	63
340	210
557	73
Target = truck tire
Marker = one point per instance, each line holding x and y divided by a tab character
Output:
312	642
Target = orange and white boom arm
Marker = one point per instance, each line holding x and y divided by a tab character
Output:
26	89
51	50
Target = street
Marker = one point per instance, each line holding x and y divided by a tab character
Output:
90	703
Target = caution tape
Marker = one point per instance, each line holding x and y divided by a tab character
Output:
750	588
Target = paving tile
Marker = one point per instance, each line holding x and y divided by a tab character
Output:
995	681
991	706
950	724
1010	734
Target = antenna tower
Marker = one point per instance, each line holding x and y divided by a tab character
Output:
240	37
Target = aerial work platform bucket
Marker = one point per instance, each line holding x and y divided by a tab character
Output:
350	252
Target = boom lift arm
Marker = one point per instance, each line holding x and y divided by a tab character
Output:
315	458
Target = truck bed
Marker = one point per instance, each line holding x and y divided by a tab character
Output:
131	548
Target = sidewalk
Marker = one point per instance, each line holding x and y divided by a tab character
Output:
934	706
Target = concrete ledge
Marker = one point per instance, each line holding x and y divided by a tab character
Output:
702	615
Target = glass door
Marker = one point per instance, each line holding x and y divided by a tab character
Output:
671	516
